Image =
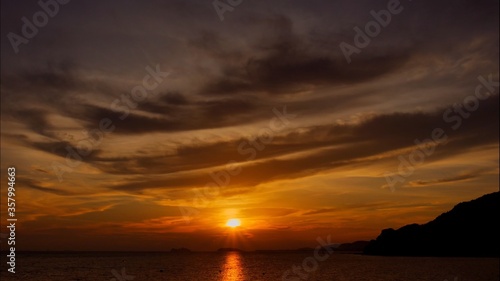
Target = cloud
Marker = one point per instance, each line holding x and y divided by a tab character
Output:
36	120
457	178
287	63
192	116
38	186
267	212
323	148
320	211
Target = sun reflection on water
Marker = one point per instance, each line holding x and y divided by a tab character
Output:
233	270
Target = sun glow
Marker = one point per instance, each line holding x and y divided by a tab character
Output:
233	223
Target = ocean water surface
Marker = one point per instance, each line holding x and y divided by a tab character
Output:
248	266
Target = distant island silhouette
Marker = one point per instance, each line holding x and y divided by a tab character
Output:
469	229
357	246
229	250
180	250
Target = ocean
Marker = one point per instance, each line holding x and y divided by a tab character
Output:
248	266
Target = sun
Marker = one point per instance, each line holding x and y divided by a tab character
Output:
233	223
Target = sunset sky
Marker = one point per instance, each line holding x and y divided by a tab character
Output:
258	116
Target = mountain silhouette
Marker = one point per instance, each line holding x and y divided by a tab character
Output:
469	229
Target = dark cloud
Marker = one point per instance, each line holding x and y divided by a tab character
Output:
65	149
52	82
340	144
267	212
368	206
286	72
286	63
174	98
36	120
174	118
321	211
37	186
457	178
327	147
280	55
31	97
